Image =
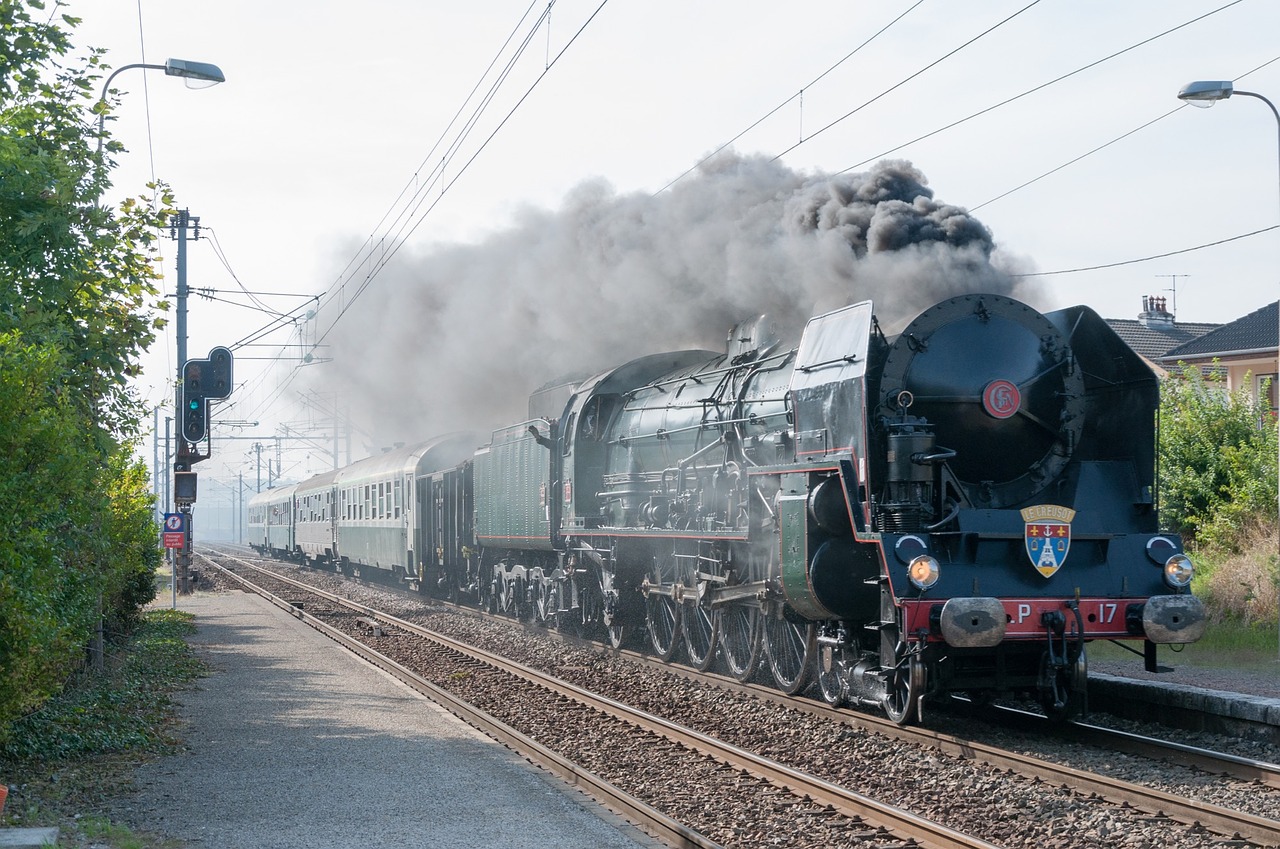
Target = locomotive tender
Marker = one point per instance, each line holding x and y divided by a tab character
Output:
960	508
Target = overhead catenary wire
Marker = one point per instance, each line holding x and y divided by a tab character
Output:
403	235
799	94
221	255
416	178
1032	90
1149	258
434	176
1105	145
909	78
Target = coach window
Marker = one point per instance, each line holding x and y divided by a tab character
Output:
398	500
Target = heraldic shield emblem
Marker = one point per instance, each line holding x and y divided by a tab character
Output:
1048	536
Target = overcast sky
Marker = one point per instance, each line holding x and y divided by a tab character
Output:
330	110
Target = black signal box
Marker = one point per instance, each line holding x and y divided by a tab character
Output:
184	488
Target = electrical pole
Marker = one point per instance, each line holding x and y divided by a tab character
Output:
186	453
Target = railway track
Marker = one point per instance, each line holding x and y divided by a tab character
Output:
809	797
1155	806
1109	739
1171	752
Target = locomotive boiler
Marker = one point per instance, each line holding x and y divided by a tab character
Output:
960	508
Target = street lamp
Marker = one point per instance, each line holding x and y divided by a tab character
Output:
194	72
1210	92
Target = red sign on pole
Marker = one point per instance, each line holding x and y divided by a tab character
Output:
175	530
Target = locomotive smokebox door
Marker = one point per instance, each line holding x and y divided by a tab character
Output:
999	383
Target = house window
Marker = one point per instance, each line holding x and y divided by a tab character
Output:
1264	388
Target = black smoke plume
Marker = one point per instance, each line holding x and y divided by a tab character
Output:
458	336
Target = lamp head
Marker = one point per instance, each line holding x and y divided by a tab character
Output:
1206	91
197	74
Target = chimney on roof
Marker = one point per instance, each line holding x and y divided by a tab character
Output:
1155	313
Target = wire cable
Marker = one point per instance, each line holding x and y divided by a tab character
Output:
1107	144
414	179
1149	258
798	94
908	79
1040	87
404	235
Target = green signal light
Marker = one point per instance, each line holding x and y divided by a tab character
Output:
193	405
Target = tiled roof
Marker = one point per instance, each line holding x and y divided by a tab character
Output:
1155	340
1256	331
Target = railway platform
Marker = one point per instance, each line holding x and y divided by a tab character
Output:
292	744
1248	709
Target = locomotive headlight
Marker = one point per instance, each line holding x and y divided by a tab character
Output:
1178	571
923	571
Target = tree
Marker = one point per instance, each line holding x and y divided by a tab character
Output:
80	275
77	294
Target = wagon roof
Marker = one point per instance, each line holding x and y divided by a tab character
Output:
273	495
433	455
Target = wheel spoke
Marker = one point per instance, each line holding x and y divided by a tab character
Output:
698	620
789	647
739	631
904	687
740	625
699	627
662	617
832	675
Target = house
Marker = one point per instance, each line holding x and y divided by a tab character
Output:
1245	349
1155	332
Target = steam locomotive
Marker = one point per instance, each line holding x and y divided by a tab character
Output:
961	508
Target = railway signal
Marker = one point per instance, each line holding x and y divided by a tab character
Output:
202	381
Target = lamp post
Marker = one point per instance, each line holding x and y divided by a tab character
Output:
197	74
1210	92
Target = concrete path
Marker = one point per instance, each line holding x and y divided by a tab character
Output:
295	744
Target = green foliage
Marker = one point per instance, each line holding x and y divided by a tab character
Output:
122	710
78	275
44	470
76	537
1240	582
77	289
1217	458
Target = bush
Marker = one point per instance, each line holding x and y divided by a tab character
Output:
46	471
1241	584
77	538
1217	459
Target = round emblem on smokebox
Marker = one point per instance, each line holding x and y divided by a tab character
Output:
1001	399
